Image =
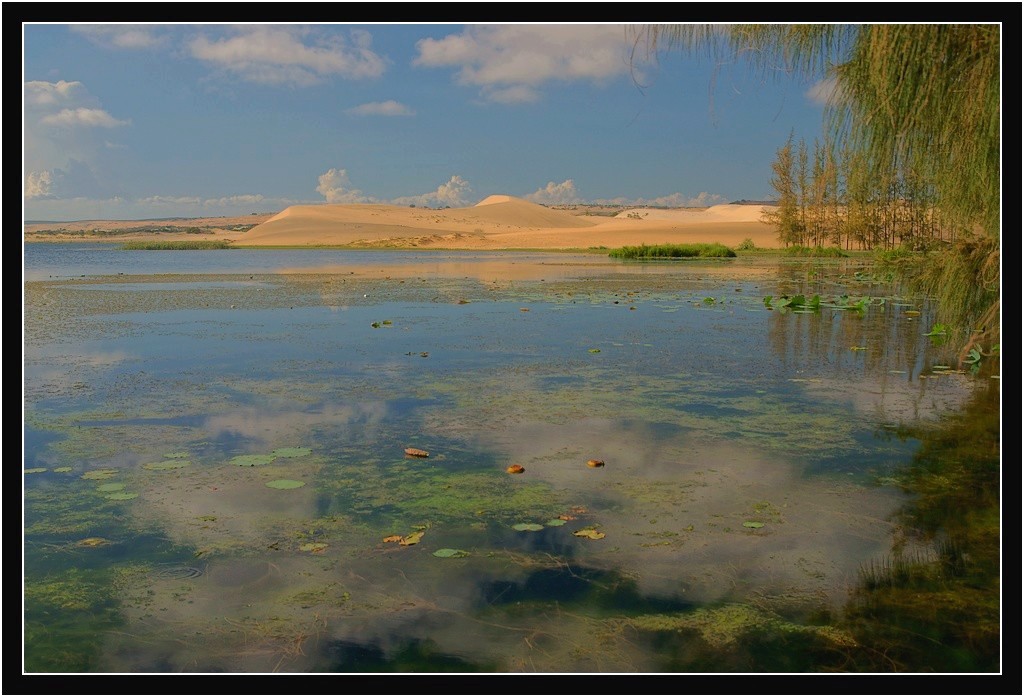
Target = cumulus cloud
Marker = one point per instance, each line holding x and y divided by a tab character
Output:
388	108
510	62
41	94
39	184
453	193
83	116
127	36
335	187
295	56
555	194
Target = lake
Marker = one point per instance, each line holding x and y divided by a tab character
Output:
713	481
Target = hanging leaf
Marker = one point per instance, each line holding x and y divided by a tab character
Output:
447	553
285	484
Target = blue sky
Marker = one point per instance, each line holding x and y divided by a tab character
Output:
147	120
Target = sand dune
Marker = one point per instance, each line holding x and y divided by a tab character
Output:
504	222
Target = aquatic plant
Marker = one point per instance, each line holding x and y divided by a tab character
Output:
673	251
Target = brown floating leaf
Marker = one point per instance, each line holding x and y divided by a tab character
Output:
595	463
393	538
589	533
416	452
566	517
412	539
515	469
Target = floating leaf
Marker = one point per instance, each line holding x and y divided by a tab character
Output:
416	452
589	533
291	452
532	527
62	469
594	350
515	469
285	484
447	553
112	486
169	465
121	496
393	538
314	547
99	474
555	522
252	460
753	524
93	542
858	348
411	539
375	325
176	456
35	470
595	463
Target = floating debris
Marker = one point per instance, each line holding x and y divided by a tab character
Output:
416	452
595	463
411	539
393	538
515	469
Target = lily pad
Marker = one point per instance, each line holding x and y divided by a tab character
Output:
594	350
35	470
99	474
252	460
753	524
121	496
176	456
112	486
291	452
532	527
447	553
285	484
589	533
554	523
314	547
169	465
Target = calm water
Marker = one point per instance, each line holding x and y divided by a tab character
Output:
216	478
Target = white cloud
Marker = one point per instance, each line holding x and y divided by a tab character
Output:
128	36
676	200
289	55
38	184
555	194
237	200
45	94
823	92
453	193
388	108
509	62
83	116
335	187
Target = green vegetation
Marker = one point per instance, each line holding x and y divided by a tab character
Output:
177	244
673	251
912	152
